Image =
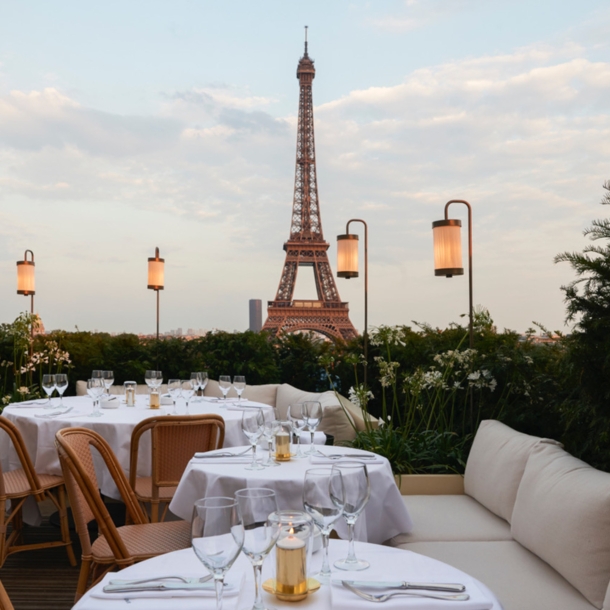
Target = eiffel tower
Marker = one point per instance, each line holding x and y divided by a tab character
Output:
306	247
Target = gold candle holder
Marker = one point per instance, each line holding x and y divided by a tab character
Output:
282	447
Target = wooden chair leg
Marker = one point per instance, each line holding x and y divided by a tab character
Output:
83	578
154	511
65	527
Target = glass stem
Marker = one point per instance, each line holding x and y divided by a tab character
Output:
258	598
270	447
351	553
325	571
218	585
312	435
253	456
299	454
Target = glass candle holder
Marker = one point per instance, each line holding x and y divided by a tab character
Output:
292	550
155	399
282	443
130	393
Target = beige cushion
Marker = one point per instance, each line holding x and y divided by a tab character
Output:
335	421
212	389
266	394
495	466
455	517
519	579
562	514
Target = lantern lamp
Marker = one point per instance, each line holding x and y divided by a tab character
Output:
156	278
26	277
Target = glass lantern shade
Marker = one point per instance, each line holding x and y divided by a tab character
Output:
156	272
26	275
347	256
447	247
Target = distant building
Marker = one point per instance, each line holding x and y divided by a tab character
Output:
256	315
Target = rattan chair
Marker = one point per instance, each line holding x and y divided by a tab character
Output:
174	440
116	547
17	486
5	602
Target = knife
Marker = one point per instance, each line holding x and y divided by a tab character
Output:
401	584
160	586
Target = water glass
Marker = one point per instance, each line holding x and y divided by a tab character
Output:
48	385
313	414
356	492
271	427
323	499
187	392
239	383
252	425
196	381
95	388
61	385
108	377
204	381
296	416
257	508
224	383
174	388
217	537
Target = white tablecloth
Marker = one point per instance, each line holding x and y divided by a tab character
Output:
115	425
389	562
384	517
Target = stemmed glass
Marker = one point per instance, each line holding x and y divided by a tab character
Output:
296	415
48	385
187	392
98	375
61	384
174	388
204	382
356	492
149	378
239	383
262	529
271	427
95	387
323	500
196	382
217	537
224	382
108	377
252	425
313	416
158	380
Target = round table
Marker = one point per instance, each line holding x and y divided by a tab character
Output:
386	564
205	478
115	425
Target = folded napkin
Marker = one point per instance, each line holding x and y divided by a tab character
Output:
344	599
347	457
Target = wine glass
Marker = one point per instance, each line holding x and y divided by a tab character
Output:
196	381
204	381
252	425
149	378
187	392
97	374
262	529
271	426
95	387
313	416
239	383
48	385
108	377
61	384
224	382
323	500
158	380
356	492
217	537
174	388
296	416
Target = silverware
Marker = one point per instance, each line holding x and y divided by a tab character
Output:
160	578
459	597
348	456
402	584
224	454
160	586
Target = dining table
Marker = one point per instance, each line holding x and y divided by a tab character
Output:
223	476
386	564
38	426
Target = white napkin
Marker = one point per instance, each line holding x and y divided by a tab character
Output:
344	599
232	586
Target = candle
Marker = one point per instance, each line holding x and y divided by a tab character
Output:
130	396
291	573
155	403
282	447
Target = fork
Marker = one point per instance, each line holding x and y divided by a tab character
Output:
203	456
158	578
384	597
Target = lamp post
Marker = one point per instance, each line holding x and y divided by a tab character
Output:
347	267
26	278
156	271
448	253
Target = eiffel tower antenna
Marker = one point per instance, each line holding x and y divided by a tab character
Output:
306	247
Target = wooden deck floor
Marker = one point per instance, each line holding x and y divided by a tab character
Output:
41	580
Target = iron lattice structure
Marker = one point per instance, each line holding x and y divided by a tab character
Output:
327	315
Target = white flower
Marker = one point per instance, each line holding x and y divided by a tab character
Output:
23	390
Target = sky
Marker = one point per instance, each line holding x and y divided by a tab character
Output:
129	125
